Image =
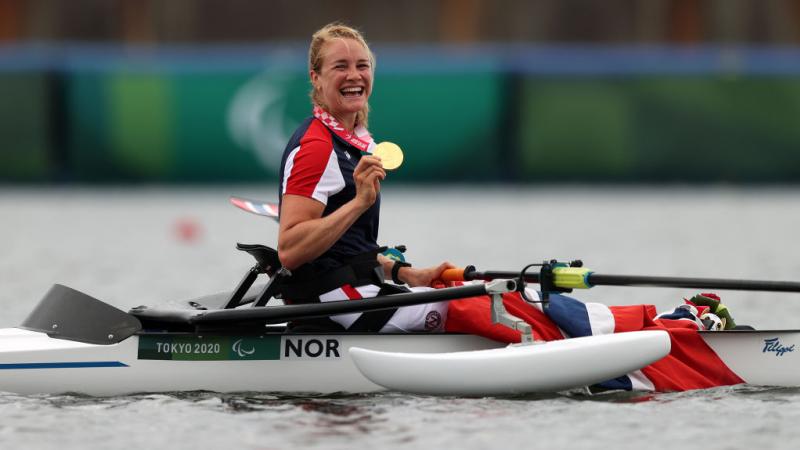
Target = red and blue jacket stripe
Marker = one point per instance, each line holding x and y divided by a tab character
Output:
318	164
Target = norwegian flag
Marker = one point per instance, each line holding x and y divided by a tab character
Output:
691	363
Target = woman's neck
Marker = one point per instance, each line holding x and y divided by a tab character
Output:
348	120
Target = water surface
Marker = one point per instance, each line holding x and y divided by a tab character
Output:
131	246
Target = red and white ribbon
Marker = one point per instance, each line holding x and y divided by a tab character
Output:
359	139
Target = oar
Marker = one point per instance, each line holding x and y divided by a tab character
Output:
261	208
279	314
583	278
271	210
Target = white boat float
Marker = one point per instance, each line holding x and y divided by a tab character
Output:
519	368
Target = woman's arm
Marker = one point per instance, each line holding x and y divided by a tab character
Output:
304	234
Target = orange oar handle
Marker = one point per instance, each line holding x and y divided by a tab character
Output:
452	275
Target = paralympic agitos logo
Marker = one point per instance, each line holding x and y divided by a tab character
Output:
774	346
237	347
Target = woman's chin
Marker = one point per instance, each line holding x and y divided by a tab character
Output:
352	105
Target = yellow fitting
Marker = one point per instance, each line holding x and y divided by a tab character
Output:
572	277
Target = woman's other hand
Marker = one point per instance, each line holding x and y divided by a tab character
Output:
429	276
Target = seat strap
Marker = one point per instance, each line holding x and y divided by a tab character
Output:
374	321
305	286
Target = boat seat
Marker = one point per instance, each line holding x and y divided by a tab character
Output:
168	315
266	257
164	315
214	301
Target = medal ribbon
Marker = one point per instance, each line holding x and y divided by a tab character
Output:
359	139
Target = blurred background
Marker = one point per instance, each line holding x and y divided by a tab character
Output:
653	137
208	91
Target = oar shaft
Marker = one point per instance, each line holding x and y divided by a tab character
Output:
277	314
596	279
695	283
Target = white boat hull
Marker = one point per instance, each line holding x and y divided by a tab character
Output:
547	367
32	362
763	358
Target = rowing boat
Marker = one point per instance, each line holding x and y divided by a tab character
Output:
234	342
273	359
72	342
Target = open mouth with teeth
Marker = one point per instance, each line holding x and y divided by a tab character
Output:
352	91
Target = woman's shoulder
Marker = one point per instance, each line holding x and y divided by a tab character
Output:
311	141
311	131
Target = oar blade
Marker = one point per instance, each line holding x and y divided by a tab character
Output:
261	208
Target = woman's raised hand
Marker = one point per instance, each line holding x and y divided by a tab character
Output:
368	175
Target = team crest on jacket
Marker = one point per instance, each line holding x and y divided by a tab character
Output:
433	321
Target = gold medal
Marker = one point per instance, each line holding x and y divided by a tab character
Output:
390	154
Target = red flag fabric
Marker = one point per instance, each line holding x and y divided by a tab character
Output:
691	364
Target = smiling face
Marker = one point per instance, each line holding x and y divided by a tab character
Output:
343	79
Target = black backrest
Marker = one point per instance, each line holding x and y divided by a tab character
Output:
266	257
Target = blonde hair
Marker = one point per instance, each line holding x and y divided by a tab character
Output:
336	30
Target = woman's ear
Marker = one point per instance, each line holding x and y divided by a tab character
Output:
314	79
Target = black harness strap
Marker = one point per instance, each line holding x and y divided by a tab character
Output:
298	287
373	321
307	283
305	286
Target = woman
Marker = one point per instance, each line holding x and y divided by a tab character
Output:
330	203
330	197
